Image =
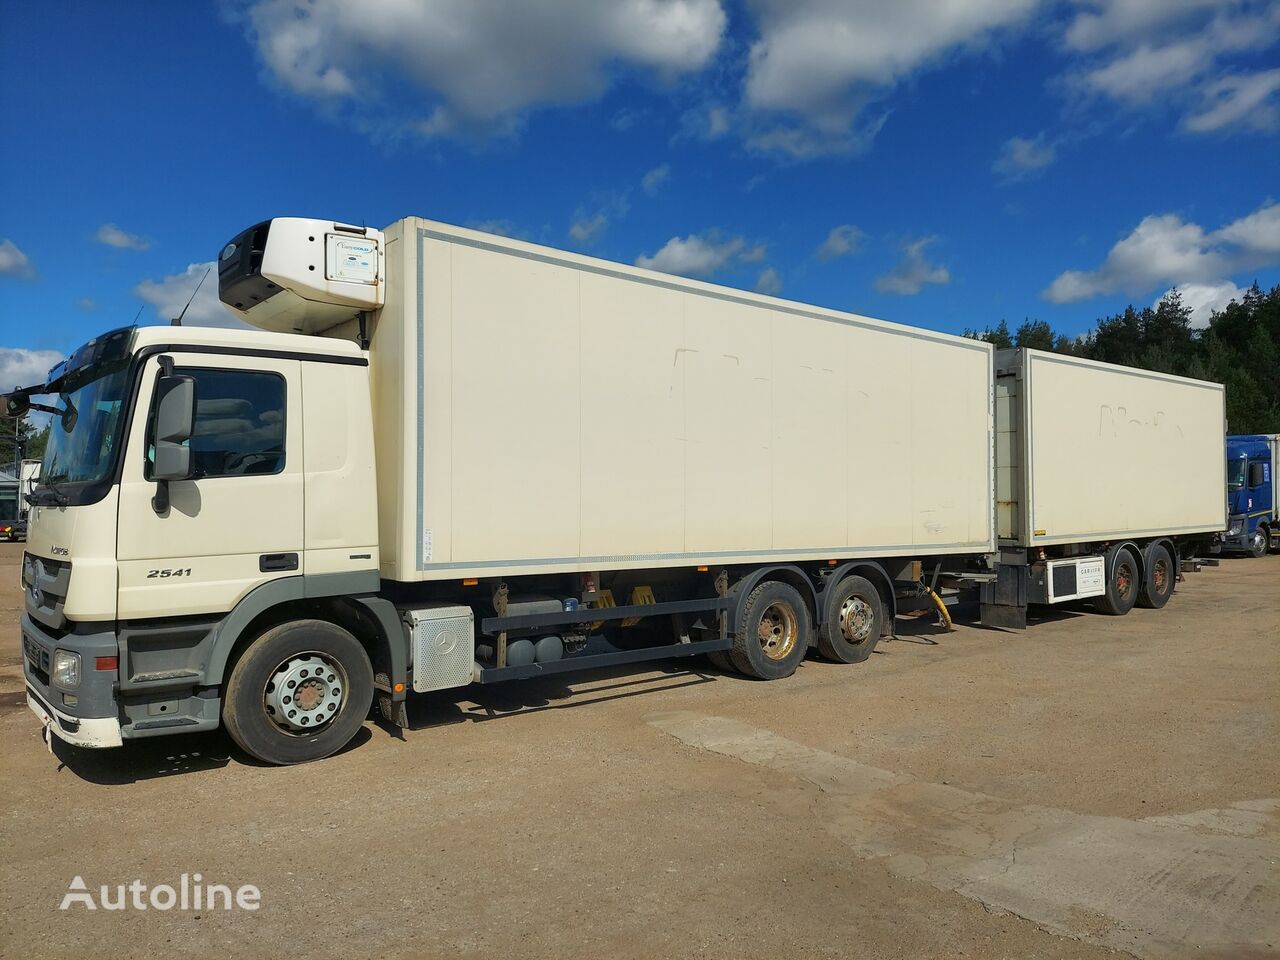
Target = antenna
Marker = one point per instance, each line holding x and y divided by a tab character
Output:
177	321
137	315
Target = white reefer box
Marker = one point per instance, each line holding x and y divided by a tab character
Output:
537	410
1091	452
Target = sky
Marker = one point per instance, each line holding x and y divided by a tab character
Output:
943	163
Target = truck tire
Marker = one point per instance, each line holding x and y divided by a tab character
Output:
721	661
1122	585
853	622
773	632
298	693
1259	543
1159	579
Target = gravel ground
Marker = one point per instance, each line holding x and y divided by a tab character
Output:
1090	787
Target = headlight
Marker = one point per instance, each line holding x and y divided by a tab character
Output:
1234	530
66	668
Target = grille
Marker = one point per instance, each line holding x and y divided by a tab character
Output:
45	583
443	642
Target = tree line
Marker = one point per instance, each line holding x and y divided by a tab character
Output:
1240	348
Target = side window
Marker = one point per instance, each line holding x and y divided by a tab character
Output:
240	421
1258	473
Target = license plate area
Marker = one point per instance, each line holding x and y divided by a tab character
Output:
37	658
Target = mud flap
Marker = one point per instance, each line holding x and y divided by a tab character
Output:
1004	602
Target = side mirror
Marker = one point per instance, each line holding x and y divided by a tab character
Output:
16	404
173	424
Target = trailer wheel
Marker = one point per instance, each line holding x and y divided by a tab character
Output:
1160	578
298	693
853	623
1259	543
1122	585
773	632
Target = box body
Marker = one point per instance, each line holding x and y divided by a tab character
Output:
540	411
1089	452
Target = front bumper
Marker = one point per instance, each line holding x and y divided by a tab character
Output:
94	719
79	731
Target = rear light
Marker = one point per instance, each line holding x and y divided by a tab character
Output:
107	663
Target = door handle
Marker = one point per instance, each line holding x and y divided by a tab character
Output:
274	562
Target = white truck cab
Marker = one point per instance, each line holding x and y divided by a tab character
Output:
143	569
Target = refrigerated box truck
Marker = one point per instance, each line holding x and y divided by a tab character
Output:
448	457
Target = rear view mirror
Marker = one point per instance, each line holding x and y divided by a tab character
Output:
173	423
15	405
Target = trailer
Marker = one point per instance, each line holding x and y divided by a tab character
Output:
1105	477
447	457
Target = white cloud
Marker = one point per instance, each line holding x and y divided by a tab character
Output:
86	304
821	63
1101	23
1203	299
20	367
1246	100
700	255
170	294
13	262
1022	157
652	181
587	227
1152	53
478	64
910	275
841	241
1258	233
706	122
1166	250
503	228
769	282
113	236
589	222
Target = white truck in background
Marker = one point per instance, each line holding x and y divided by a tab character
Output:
28	477
450	458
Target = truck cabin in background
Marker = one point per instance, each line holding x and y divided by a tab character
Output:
1253	525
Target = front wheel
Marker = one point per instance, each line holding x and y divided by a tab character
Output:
298	693
1259	543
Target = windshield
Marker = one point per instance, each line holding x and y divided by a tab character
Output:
1235	473
83	435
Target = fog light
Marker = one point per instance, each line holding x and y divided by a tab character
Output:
70	699
66	668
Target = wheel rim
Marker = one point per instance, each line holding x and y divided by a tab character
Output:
1160	575
857	618
1259	542
305	693
778	630
1124	579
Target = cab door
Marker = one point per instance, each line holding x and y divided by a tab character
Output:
238	521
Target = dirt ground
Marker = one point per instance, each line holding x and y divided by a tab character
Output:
1090	787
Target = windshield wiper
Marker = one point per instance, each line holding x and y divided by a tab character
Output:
51	495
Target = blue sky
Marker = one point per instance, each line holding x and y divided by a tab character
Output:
940	164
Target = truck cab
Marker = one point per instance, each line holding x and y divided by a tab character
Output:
198	482
1253	526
